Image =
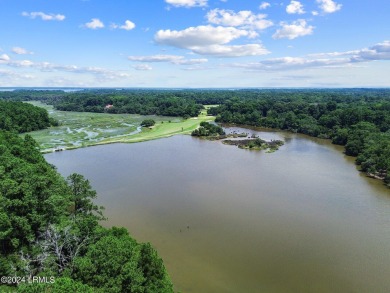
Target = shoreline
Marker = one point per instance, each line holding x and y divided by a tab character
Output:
138	140
162	130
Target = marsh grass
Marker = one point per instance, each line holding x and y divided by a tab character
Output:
82	129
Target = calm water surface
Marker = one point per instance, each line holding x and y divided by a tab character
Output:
302	219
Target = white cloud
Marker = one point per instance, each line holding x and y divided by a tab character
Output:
44	16
315	13
95	23
129	25
328	6
290	63
377	52
293	62
4	58
244	19
100	74
210	40
264	5
155	58
196	68
187	3
21	51
199	36
297	29
59	81
334	54
19	63
192	61
142	67
231	51
380	51
382	47
174	59
295	7
15	75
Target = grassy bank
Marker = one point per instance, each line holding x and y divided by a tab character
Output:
81	129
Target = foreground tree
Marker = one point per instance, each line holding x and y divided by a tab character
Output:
49	226
60	285
136	267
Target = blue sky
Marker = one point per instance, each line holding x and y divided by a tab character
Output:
194	43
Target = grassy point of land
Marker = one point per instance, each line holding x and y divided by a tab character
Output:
81	129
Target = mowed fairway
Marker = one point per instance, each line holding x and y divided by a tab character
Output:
81	129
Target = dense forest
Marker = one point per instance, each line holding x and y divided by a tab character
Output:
113	101
22	117
49	227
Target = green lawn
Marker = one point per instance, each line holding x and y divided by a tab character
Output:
81	129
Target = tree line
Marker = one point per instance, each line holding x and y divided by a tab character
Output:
49	227
143	102
23	117
119	104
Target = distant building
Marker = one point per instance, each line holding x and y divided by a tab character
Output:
109	106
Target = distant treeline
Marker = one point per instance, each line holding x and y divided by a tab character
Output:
160	104
49	227
22	117
143	102
199	96
181	103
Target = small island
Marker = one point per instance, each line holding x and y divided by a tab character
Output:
211	131
255	144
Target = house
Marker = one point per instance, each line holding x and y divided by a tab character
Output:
108	106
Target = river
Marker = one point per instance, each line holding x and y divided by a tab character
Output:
301	219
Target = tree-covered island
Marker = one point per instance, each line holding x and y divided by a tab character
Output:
211	131
255	144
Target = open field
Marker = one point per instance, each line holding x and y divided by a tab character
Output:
81	129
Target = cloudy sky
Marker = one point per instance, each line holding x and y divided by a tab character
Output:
195	43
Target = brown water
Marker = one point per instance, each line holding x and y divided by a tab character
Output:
302	219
